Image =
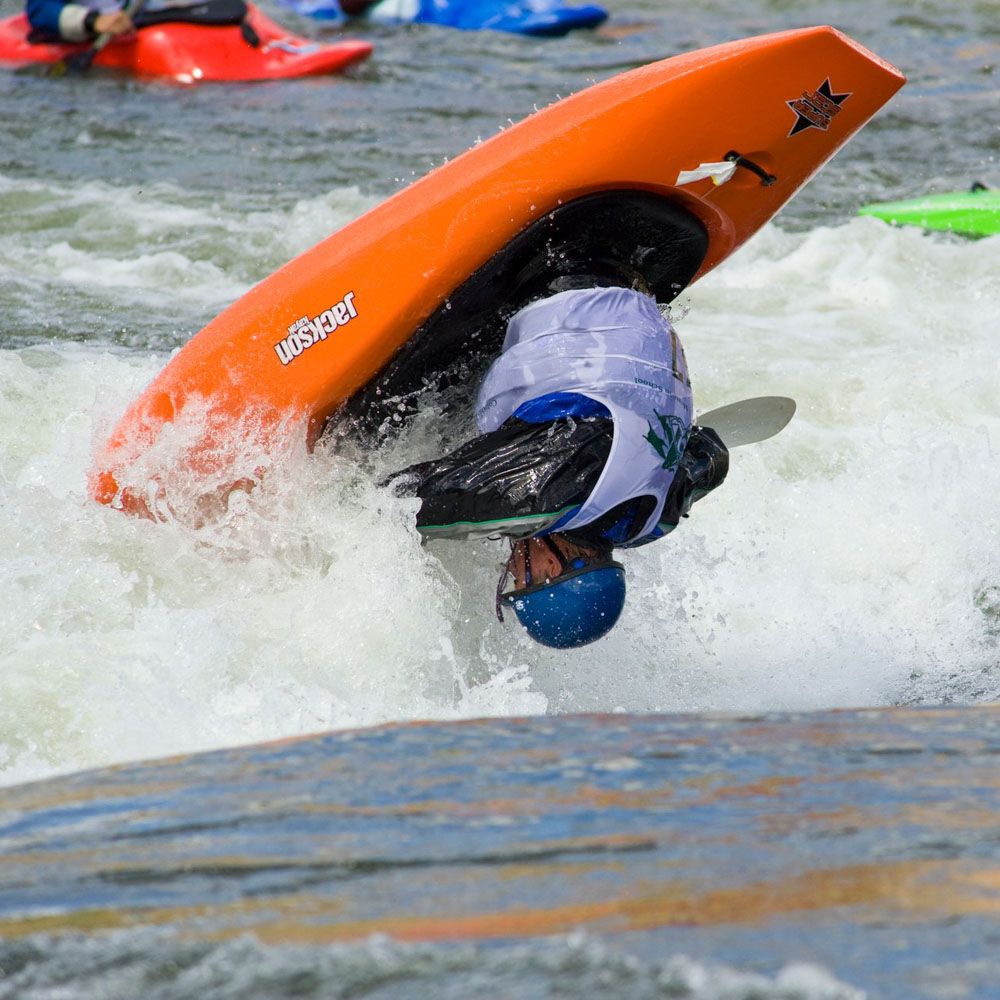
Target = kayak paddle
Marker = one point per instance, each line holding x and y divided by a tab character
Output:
79	62
749	420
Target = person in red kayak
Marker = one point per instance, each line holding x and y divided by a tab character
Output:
59	21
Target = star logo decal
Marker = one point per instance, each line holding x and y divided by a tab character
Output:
816	108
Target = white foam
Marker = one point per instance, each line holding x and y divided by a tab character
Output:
150	961
135	245
840	565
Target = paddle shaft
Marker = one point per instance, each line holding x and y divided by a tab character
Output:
80	62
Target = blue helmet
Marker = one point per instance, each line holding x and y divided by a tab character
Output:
578	606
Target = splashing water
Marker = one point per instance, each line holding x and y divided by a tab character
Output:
850	561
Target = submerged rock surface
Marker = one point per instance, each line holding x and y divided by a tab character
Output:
863	844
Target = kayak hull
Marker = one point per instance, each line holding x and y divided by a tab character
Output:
196	53
302	342
971	213
549	18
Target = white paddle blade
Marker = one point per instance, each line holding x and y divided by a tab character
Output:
749	420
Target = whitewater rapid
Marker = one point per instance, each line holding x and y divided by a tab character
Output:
851	561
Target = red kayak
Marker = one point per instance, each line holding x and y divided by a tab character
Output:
252	47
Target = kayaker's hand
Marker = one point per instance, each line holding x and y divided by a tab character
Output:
116	22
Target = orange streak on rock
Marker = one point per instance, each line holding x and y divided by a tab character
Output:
907	892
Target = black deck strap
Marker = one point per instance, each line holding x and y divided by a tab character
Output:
978	186
211	13
627	238
249	34
39	36
755	168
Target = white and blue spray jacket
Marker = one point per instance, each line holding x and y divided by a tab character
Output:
590	352
585	428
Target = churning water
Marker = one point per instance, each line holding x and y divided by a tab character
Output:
851	561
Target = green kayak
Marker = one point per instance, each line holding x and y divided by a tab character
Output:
974	213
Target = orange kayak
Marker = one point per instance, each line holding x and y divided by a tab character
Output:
663	171
197	53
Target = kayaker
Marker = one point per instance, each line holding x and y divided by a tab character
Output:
586	445
57	20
